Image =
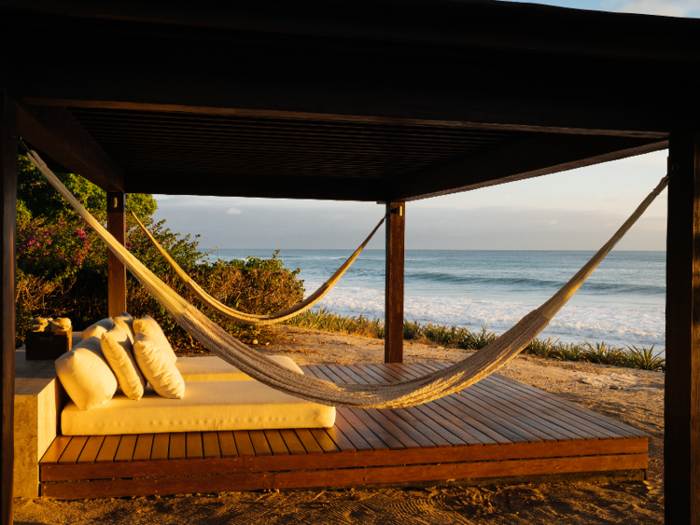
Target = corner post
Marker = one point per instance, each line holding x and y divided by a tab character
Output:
394	281
682	394
8	214
116	272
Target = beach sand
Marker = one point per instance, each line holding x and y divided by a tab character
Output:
634	397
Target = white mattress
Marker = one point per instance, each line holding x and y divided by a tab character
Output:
213	368
207	406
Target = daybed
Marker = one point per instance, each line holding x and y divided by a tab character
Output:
218	397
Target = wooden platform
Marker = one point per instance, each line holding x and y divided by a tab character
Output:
498	428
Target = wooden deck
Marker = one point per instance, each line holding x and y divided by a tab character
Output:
498	428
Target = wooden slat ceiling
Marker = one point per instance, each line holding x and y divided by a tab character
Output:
141	141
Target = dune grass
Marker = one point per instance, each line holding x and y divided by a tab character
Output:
629	356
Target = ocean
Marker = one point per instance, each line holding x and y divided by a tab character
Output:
621	303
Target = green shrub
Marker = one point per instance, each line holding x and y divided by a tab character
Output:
62	264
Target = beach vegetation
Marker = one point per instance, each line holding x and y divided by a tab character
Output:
62	263
459	337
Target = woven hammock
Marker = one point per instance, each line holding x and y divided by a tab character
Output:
256	319
395	395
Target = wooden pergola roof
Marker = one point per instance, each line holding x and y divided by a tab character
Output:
347	100
371	100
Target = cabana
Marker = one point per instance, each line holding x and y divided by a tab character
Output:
357	100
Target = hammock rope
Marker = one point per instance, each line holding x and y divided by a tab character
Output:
256	319
395	395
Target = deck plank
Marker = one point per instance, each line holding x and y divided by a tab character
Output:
374	439
344	435
109	449
260	444
178	446
91	449
437	434
340	439
210	440
577	415
161	447
452	424
73	450
227	443
585	419
563	419
323	439
195	448
308	441
435	411
530	422
390	424
487	414
125	452
291	440
277	445
520	409
359	441
243	443
144	444
55	450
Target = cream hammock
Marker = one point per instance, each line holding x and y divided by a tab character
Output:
396	395
255	319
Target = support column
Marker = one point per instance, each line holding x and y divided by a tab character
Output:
682	395
8	214
116	271
393	309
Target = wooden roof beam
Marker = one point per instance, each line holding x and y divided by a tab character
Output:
255	185
541	155
55	132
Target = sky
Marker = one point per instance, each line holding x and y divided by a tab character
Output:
573	210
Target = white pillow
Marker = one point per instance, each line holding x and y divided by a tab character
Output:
117	349
149	326
97	329
86	376
126	323
158	367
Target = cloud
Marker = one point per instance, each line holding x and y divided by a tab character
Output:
233	211
660	7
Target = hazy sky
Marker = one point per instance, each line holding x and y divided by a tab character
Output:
572	210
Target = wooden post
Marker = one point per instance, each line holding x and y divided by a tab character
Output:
116	272
682	395
8	213
393	310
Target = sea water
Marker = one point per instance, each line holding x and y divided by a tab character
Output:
621	303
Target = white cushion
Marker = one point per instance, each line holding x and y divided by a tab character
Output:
147	325
97	329
86	376
117	349
158	368
126	323
213	368
229	405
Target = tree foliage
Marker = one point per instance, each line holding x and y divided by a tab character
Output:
62	263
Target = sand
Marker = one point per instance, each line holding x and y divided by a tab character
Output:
632	396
